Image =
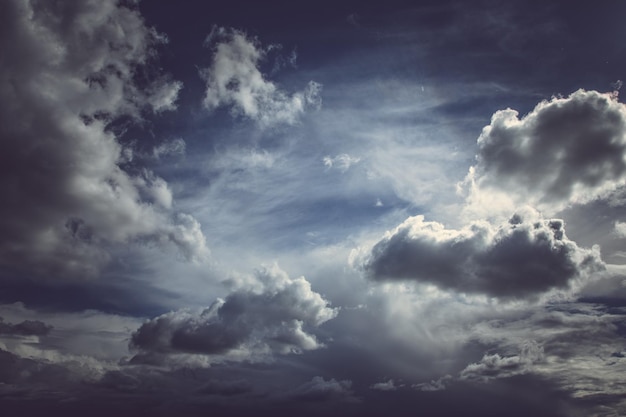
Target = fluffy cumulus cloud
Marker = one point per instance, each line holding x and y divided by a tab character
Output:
620	229
523	257
70	71
492	366
565	151
234	80
273	316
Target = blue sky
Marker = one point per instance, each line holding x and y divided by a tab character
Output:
335	208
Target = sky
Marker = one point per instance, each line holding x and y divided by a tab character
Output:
312	208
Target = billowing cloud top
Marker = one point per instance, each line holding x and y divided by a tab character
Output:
566	150
69	71
523	257
248	324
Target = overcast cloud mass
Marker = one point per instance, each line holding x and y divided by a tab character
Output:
343	208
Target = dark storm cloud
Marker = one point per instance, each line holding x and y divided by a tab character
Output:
566	150
15	370
69	70
25	328
521	258
246	325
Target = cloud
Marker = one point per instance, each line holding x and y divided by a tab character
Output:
234	80
70	72
342	162
576	346
439	384
620	229
521	258
248	324
25	328
173	147
319	389
495	366
565	151
384	386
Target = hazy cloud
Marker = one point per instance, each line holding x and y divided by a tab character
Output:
234	80
342	162
319	389
620	229
25	328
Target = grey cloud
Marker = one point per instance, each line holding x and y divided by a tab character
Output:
493	366
246	325
69	72
234	80
385	386
521	258
319	389
566	150
25	328
577	346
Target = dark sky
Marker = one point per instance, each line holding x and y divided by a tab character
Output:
331	208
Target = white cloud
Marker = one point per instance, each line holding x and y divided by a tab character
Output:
234	80
173	147
319	389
